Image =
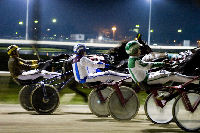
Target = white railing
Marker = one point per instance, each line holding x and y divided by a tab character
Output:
4	73
59	43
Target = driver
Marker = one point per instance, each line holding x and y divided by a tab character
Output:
22	70
82	67
138	68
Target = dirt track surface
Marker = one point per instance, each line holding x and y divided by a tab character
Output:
74	119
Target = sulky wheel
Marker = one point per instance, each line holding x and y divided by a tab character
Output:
24	97
155	113
45	104
127	111
185	119
98	107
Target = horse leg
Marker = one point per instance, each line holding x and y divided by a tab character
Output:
73	86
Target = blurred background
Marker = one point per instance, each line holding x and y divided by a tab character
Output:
172	21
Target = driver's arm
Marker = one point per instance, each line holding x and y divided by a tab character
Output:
31	62
149	65
24	66
89	63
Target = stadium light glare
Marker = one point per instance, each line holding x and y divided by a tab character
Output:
137	26
21	23
54	20
100	38
179	30
114	28
36	21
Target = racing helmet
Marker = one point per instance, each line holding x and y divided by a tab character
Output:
79	49
12	50
132	47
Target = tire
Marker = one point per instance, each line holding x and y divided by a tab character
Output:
42	106
24	97
129	110
96	106
184	119
155	113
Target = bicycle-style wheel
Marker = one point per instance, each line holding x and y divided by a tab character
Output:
155	113
45	104
185	119
24	97
98	107
126	111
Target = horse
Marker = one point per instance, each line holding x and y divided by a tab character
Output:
118	59
190	66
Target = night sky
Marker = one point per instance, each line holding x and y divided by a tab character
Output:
93	16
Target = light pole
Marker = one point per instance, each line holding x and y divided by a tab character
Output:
114	28
27	8
149	31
